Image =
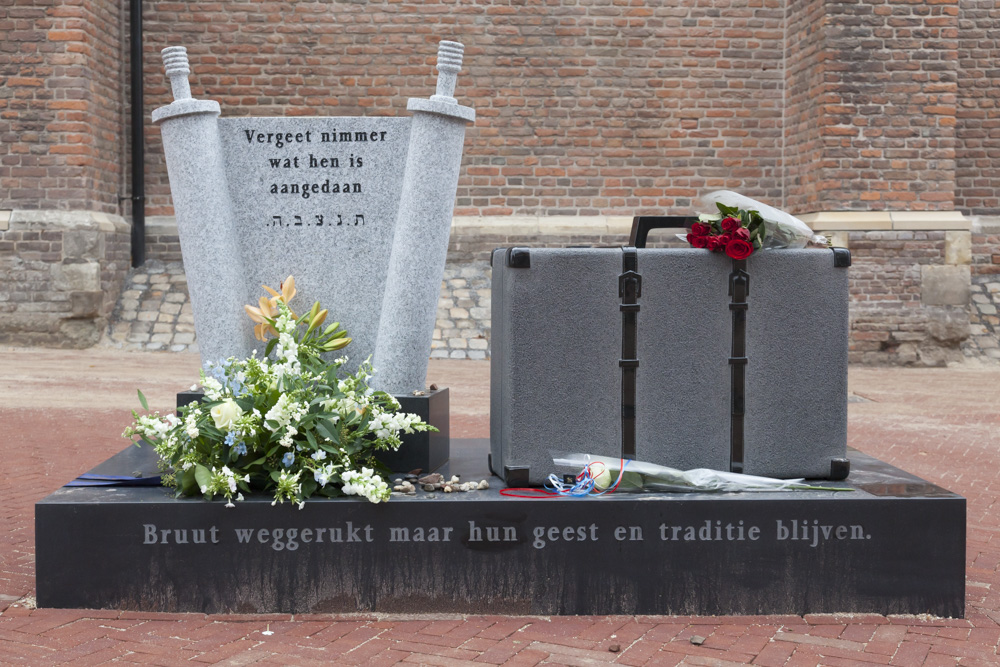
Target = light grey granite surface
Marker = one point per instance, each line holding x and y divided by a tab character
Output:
347	205
420	248
323	211
557	338
205	219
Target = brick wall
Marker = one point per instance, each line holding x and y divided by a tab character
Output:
61	105
582	107
977	174
805	67
64	248
61	275
878	117
908	304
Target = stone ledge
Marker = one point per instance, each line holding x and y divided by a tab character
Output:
620	225
985	224
554	225
886	220
62	220
161	225
923	220
848	220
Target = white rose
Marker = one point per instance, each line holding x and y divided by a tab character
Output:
225	414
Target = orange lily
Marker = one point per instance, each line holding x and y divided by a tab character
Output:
287	287
266	310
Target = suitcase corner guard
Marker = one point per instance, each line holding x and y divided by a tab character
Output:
840	469
517	476
518	258
841	257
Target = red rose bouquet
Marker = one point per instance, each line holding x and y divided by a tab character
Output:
735	231
743	226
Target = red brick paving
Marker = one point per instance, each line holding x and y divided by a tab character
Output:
941	424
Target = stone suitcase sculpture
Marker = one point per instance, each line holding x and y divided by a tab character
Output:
678	357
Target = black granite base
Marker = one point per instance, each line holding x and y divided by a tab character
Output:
894	545
429	450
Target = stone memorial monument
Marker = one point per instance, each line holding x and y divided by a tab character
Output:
358	209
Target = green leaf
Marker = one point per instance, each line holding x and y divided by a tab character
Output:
202	475
186	482
328	430
270	347
142	401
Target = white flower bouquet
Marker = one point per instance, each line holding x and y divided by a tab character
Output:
290	424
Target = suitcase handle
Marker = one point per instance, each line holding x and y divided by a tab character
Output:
642	224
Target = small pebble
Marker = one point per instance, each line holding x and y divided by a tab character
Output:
483	485
397	488
432	478
453	480
448	489
429	487
411	493
697	640
415	471
614	648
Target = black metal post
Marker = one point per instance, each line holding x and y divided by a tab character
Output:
138	136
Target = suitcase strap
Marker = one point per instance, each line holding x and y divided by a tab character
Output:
629	290
739	290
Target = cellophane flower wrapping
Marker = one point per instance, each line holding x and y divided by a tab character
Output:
640	476
783	230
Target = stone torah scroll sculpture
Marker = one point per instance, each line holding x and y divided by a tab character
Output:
358	209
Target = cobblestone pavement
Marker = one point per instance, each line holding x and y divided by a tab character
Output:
984	320
154	310
64	410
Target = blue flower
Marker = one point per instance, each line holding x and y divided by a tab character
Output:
288	459
230	439
240	448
